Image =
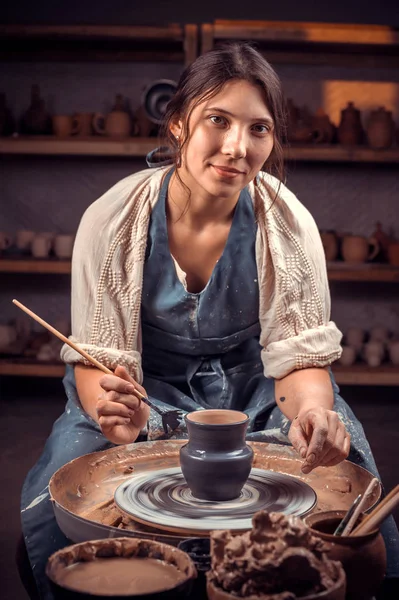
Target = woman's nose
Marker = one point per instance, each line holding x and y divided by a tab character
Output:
234	144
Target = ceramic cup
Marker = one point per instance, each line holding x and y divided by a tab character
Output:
85	121
348	356
63	245
5	240
363	557
373	353
170	578
216	461
24	239
65	125
41	246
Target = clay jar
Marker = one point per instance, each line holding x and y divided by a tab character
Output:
363	557
350	131
116	124
356	248
380	129
216	461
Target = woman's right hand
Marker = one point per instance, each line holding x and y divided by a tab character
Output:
121	413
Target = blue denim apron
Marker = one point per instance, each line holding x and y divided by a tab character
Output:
199	351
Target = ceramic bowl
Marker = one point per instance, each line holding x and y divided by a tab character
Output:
169	558
337	592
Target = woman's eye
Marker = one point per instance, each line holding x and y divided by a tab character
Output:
261	128
217	120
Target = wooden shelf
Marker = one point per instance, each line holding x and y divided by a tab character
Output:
341	271
310	43
90	146
34	265
336	271
33	369
364	375
336	153
139	147
171	43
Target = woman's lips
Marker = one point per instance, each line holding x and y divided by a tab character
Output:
227	173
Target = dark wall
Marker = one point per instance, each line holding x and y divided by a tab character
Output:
120	12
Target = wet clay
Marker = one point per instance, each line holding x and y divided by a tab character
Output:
85	487
279	555
120	576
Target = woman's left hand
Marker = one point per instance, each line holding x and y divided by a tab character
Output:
320	438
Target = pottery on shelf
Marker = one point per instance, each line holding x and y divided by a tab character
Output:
393	254
380	130
36	120
7	121
216	461
322	129
383	240
117	123
350	130
363	557
330	244
356	248
299	127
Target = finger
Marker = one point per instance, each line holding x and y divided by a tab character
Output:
131	401
297	437
123	373
114	383
319	423
110	422
114	408
338	451
342	456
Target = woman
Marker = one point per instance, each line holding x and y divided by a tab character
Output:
205	283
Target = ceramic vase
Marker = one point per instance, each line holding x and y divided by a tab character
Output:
363	557
216	461
380	129
350	130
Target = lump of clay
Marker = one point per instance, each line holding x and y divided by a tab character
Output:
278	559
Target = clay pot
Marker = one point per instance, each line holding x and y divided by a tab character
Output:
350	130
335	593
122	548
299	128
393	254
7	121
322	129
380	129
116	124
383	240
216	452
363	557
356	248
36	120
330	244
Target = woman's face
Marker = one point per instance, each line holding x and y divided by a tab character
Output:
231	137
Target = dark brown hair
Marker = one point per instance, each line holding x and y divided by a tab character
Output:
205	78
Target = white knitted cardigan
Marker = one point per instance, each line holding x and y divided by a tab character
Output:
107	278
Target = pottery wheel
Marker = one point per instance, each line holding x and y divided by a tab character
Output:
162	499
